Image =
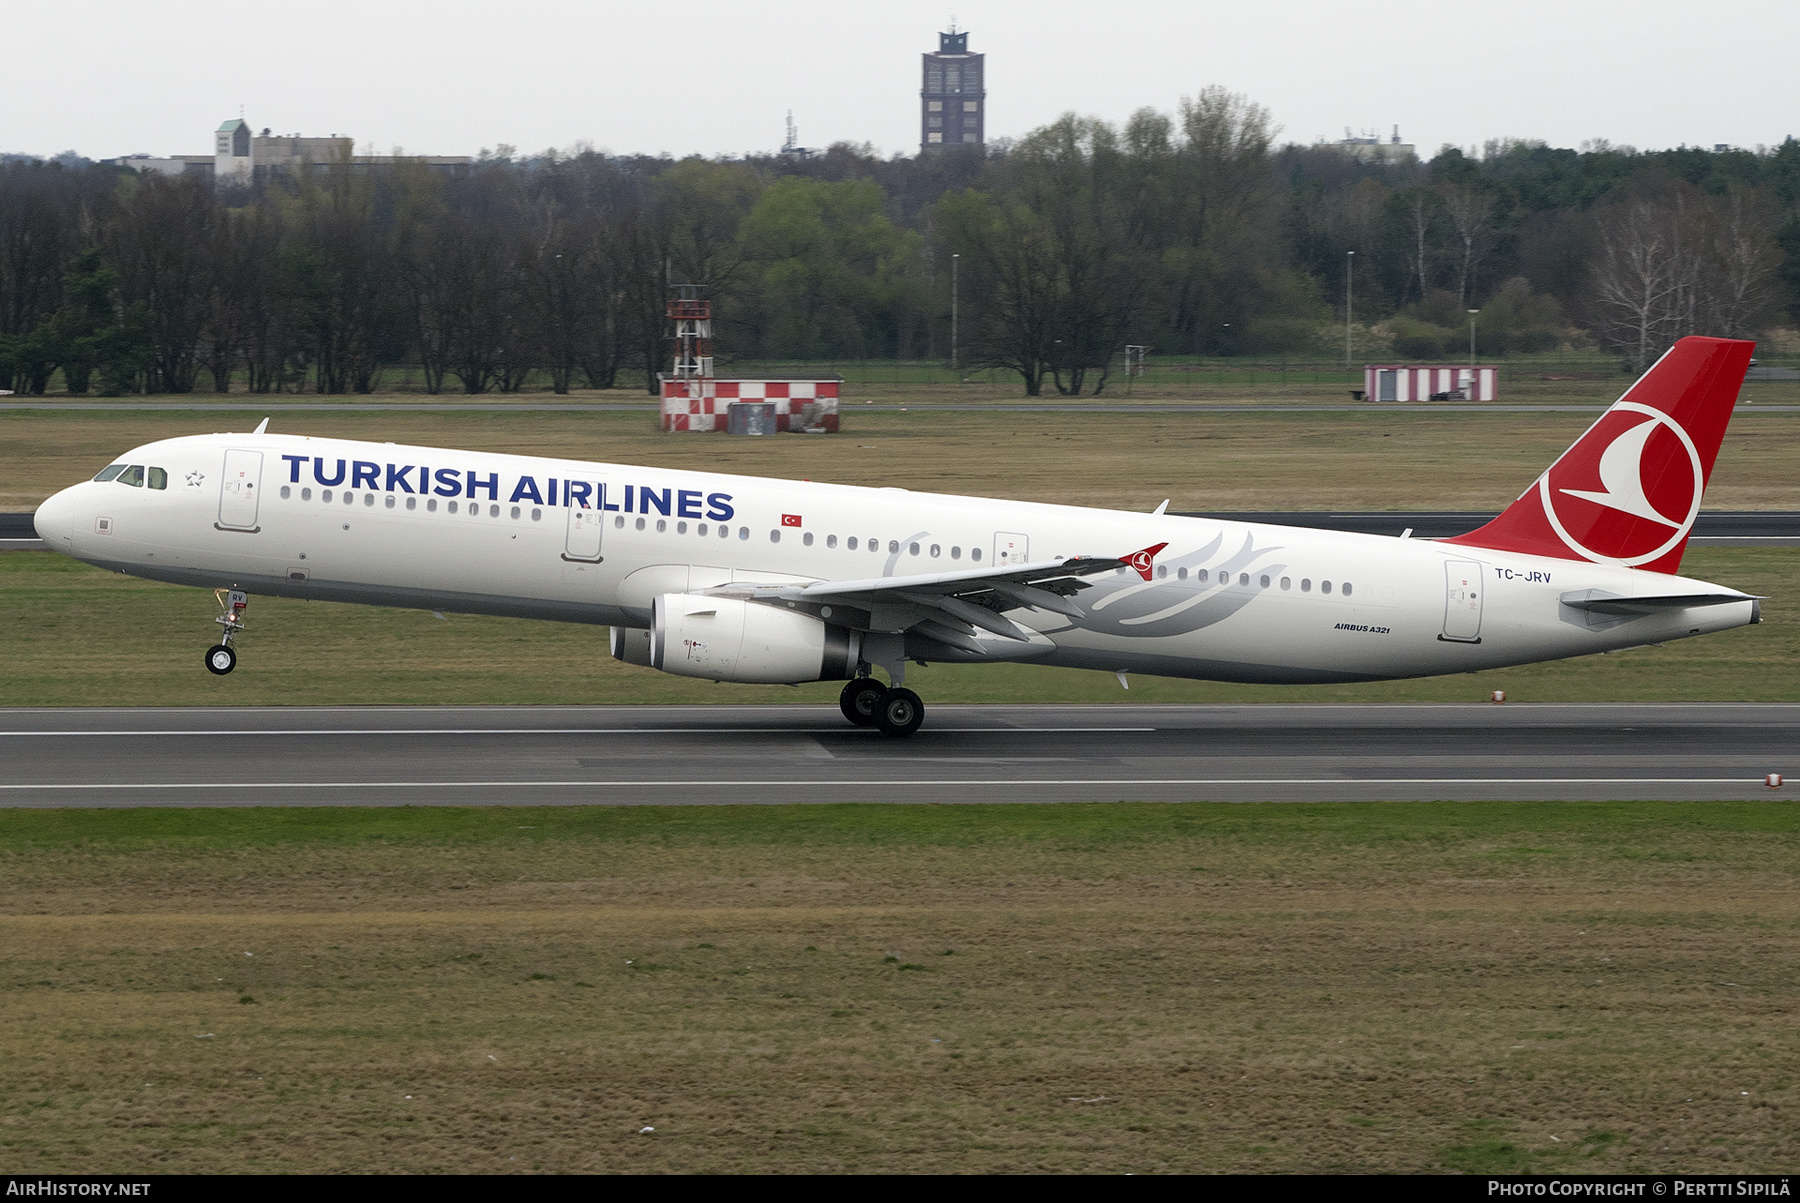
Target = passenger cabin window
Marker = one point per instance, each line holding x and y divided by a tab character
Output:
159	479
110	472
974	553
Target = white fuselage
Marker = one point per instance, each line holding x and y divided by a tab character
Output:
516	535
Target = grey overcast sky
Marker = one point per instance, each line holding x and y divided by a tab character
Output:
105	77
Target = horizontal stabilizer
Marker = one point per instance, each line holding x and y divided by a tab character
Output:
1599	601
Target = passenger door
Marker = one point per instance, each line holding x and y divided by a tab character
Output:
238	489
1462	601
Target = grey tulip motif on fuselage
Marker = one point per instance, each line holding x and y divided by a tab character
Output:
1123	604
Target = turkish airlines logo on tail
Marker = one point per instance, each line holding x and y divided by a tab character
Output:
1629	490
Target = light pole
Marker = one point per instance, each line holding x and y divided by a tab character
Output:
1349	271
1472	314
955	299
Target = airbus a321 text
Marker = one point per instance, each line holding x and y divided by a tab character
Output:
736	578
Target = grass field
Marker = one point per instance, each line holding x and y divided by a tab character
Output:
77	636
1358	459
1401	987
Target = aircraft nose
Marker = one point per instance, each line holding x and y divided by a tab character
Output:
55	520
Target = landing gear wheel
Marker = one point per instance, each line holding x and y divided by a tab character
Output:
900	713
861	701
220	659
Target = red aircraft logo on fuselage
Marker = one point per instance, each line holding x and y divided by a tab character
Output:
1142	561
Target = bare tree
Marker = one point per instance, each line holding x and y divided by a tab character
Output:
1471	213
1742	282
1644	279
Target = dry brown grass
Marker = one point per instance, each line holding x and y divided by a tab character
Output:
832	989
1357	459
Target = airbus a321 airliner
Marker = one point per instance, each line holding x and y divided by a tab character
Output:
736	578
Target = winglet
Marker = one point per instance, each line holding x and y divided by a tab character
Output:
1164	507
261	427
1142	561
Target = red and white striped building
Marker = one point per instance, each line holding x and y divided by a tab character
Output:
703	404
694	400
1434	382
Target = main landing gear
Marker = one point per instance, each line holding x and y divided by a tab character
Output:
868	703
221	657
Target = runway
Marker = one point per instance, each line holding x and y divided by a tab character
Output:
643	755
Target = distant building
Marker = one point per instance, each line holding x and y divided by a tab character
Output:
238	155
953	99
1369	147
232	158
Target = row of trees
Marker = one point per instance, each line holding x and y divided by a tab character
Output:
1191	231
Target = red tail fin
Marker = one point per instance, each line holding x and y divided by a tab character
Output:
1629	490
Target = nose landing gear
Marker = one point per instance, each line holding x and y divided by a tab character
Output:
221	658
868	703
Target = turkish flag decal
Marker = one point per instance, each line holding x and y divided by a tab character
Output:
790	520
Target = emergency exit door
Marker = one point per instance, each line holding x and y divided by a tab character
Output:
582	543
242	478
1011	549
1462	601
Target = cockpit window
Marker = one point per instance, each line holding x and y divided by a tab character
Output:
159	479
133	476
108	473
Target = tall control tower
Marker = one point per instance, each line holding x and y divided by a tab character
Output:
953	100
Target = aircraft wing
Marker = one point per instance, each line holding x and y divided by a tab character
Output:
951	602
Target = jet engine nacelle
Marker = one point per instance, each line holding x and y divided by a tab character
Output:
725	639
632	645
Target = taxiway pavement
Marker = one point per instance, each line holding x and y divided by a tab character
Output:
635	755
